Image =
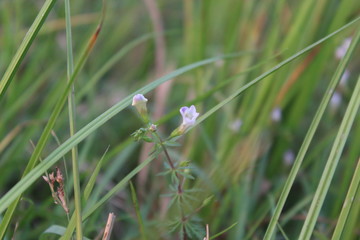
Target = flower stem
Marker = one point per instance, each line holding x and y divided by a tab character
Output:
180	185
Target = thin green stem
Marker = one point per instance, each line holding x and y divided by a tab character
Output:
72	115
347	203
137	211
180	184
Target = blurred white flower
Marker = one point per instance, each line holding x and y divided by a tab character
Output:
219	63
344	78
276	114
342	49
288	157
335	100
235	125
139	101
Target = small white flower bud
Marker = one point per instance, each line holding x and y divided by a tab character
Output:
153	128
139	101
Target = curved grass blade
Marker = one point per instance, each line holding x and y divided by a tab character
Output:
223	231
308	138
24	46
90	185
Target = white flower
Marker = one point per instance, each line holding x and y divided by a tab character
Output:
342	49
139	101
189	115
276	114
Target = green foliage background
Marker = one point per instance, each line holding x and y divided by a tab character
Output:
239	155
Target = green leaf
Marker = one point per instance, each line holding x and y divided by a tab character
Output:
56	230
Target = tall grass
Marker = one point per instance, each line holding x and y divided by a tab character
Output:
273	155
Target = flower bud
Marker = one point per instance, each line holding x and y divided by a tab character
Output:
152	128
139	101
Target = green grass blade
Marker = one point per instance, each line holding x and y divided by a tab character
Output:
90	185
55	230
354	186
306	143
352	220
72	122
331	164
137	210
24	46
224	231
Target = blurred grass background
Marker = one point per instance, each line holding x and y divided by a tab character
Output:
241	155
